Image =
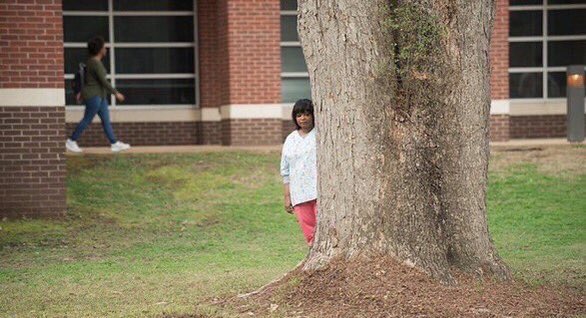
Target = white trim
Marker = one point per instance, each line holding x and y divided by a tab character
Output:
147	107
86	13
182	113
500	107
536	38
165	45
196	53
112	50
127	13
538	107
134	45
566	6
286	110
210	114
291	44
155	76
526	8
153	13
133	115
295	75
288	12
537	69
48	97
548	6
251	111
544	52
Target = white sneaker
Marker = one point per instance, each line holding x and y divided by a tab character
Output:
119	146
72	146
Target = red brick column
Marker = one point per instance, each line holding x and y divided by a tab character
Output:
499	81
32	114
240	67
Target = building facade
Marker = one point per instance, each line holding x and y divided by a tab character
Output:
221	72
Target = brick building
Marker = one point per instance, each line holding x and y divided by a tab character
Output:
221	72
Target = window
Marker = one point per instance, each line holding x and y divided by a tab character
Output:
545	36
151	47
294	76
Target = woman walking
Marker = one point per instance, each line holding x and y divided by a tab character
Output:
95	93
299	170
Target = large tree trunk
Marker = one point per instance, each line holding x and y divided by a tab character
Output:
402	98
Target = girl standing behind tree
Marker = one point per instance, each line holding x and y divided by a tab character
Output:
299	170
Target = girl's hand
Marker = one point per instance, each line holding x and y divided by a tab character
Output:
78	98
288	205
120	97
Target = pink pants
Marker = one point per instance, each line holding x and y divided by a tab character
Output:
306	215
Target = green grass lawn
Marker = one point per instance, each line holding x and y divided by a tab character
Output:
148	234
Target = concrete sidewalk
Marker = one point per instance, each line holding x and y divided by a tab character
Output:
214	148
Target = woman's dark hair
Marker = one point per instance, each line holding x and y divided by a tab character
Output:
95	45
302	106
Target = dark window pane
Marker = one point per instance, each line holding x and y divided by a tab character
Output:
525	85
74	56
153	5
524	2
293	89
288	4
522	54
153	29
81	29
525	23
85	5
563	53
69	98
566	22
292	60
155	60
157	91
289	28
566	2
556	84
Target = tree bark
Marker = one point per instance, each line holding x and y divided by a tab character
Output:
402	98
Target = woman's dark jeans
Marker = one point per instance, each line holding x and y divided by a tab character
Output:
93	106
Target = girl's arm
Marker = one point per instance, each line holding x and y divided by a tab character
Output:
285	175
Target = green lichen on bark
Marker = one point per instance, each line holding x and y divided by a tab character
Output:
415	56
416	39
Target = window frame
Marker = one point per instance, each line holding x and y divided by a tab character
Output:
544	39
112	45
293	44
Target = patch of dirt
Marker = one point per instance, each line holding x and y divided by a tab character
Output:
550	160
385	288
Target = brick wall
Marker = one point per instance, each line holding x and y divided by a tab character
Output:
141	133
252	132
287	127
499	127
254	51
210	133
213	58
240	63
499	52
32	164
31	44
543	126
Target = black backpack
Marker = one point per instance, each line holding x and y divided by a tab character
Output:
79	79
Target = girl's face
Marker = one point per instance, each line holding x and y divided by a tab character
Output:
103	52
304	120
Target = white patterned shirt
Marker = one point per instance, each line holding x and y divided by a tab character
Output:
298	166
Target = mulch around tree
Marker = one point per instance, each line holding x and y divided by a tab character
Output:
386	288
